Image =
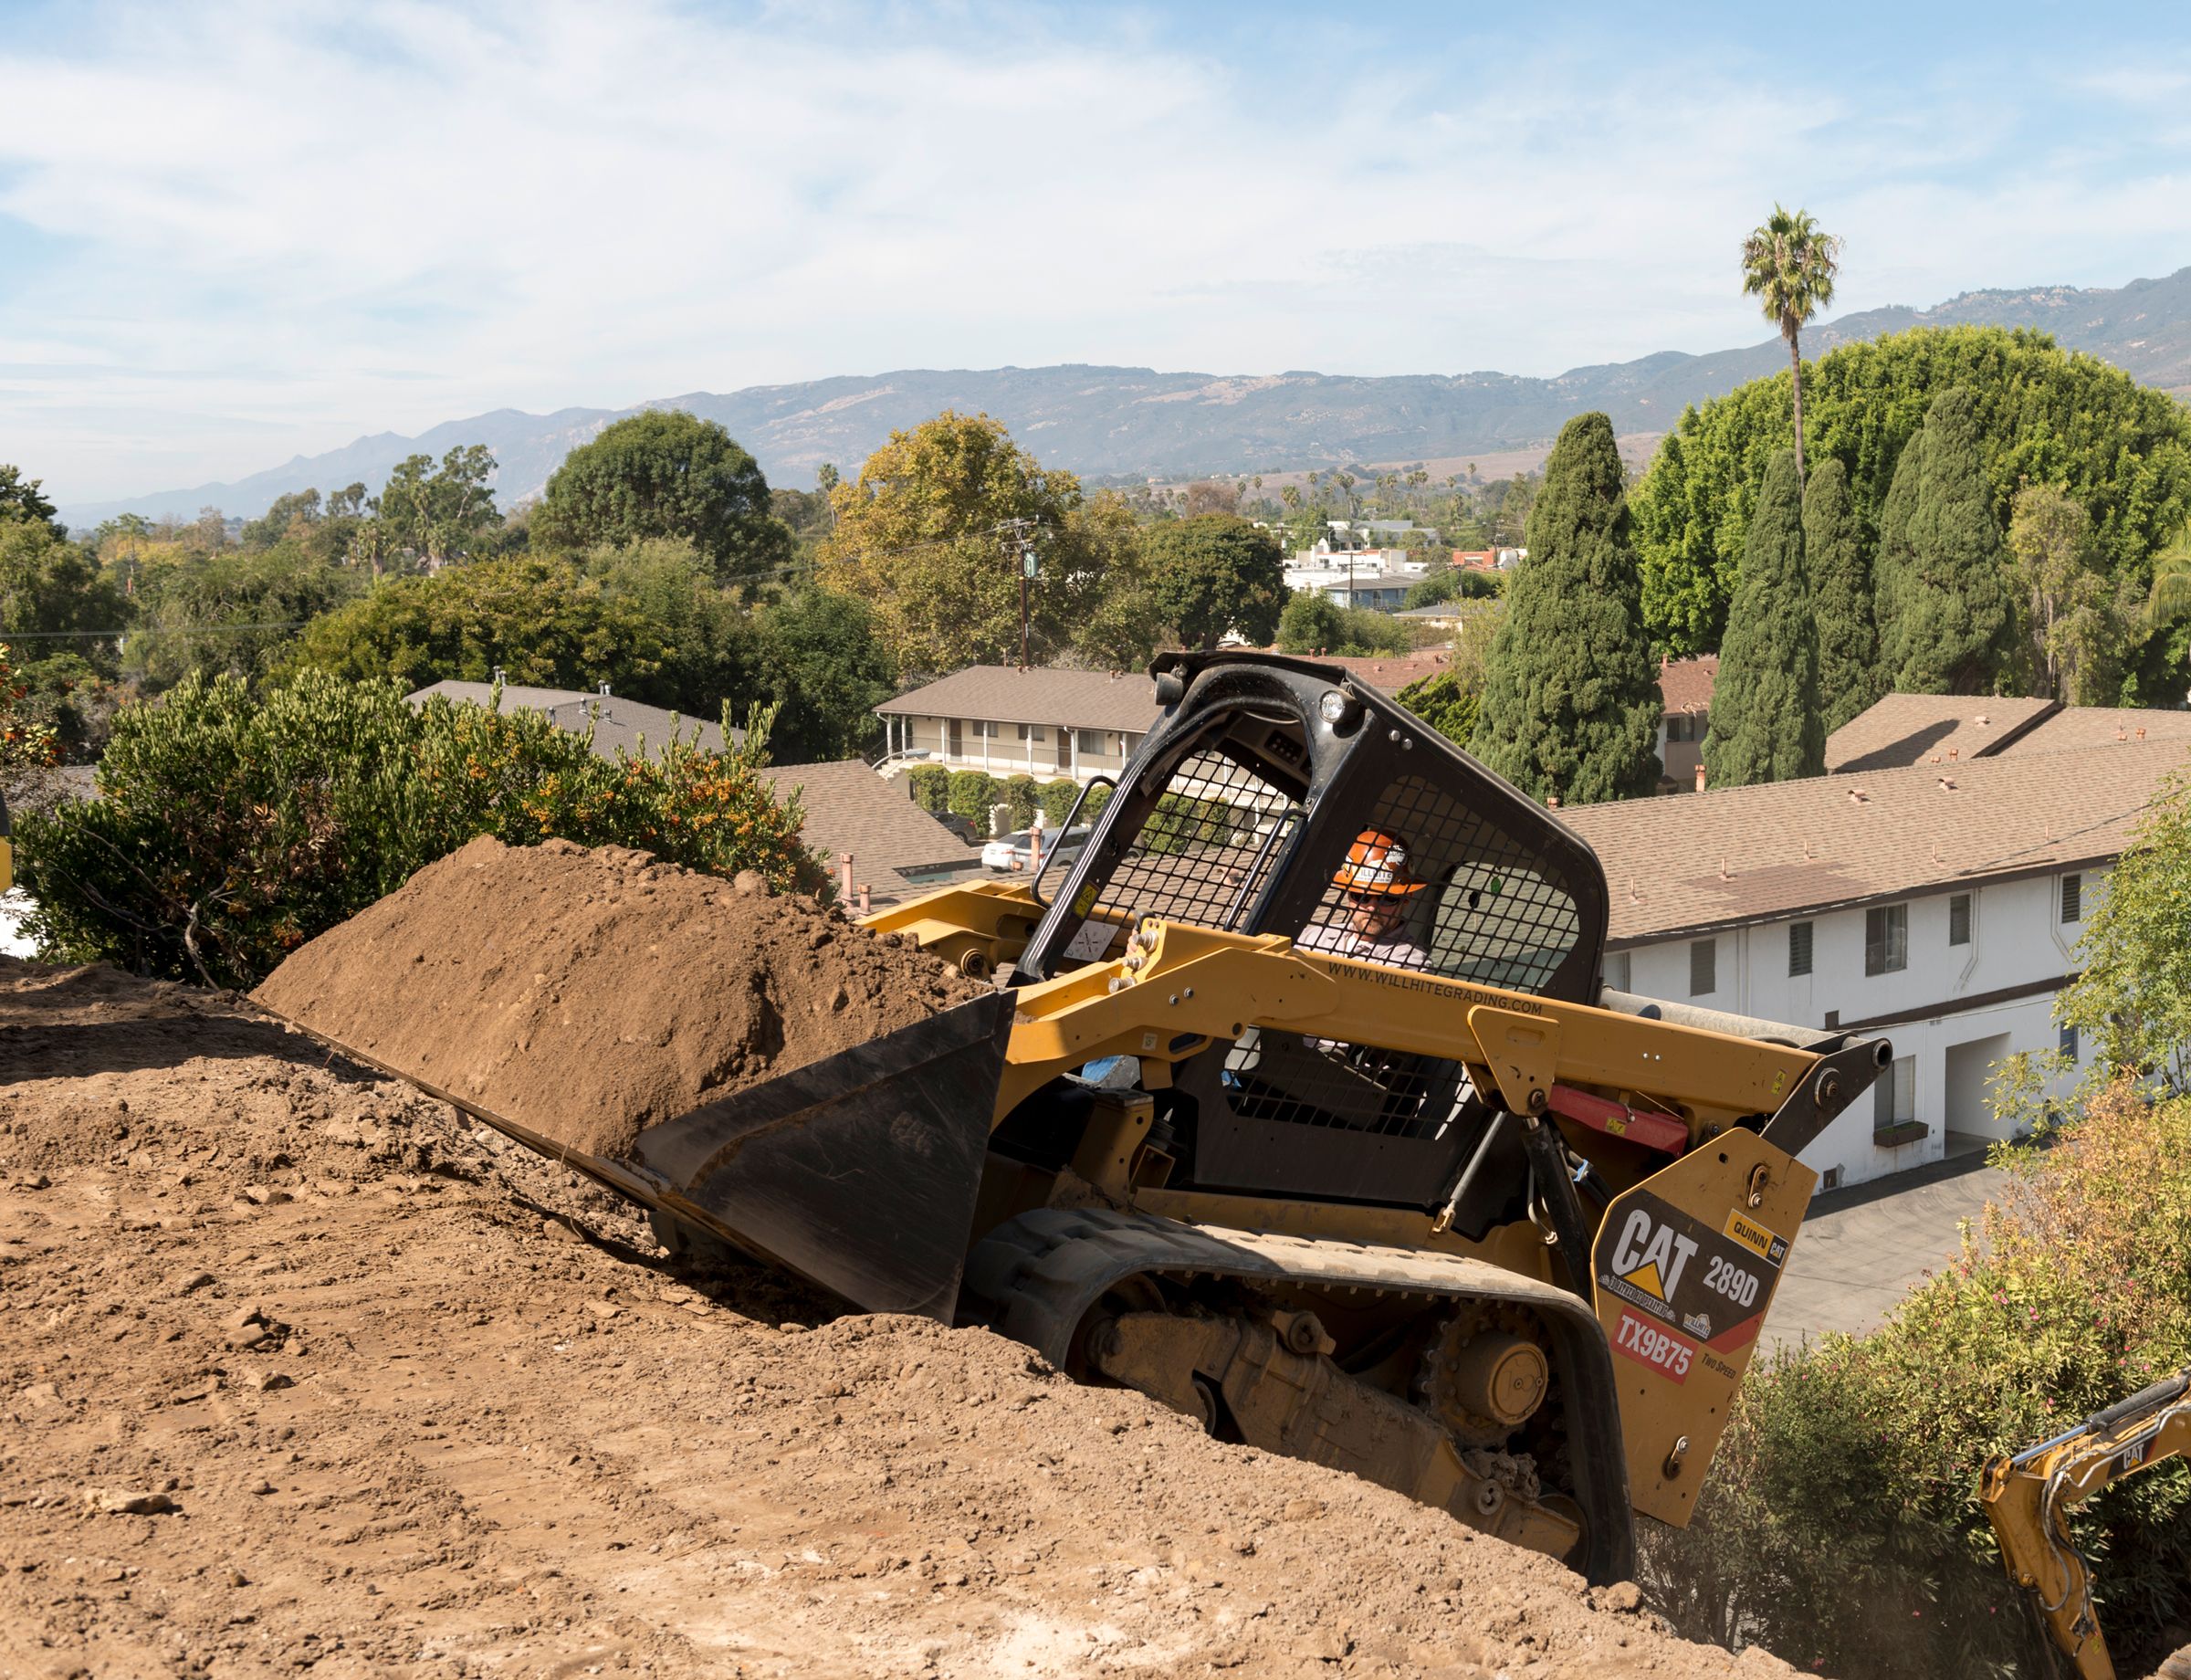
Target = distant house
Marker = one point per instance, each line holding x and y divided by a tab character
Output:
1045	723
1686	696
896	848
1939	905
617	723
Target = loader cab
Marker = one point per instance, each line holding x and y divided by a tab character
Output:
1238	813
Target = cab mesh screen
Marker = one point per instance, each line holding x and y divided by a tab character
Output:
1205	854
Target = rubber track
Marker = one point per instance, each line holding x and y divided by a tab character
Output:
1038	1277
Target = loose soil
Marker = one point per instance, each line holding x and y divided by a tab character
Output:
587	994
298	1370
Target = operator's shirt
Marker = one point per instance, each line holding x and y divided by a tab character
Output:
1394	950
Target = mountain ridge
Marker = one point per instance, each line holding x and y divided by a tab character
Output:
1104	421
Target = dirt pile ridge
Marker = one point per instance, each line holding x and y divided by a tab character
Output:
587	994
298	1370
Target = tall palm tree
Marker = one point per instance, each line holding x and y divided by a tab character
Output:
1789	265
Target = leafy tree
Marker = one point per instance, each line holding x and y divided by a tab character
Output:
929	787
542	621
1447	704
28	746
973	791
2132	996
2075	621
1314	624
1024	793
921	537
22	498
821	660
1840	582
2043	415
1213	574
55	587
1952	628
236	611
1766	722
438	513
666	473
1892	556
291	515
711	647
1789	266
232	828
1571	699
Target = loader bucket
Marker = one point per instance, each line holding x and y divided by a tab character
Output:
857	1172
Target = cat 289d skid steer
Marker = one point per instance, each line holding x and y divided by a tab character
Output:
1299	1104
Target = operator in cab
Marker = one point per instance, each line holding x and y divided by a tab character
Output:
1377	889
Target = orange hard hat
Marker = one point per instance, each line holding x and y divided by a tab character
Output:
1377	863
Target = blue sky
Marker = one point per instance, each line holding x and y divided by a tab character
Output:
230	233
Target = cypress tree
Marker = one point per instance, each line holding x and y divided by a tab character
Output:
1840	582
1955	622
1891	557
1765	721
1571	700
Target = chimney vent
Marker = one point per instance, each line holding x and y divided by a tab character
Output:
1947	784
2141	731
1856	796
1700	777
498	673
1953	753
605	692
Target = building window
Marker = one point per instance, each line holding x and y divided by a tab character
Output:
1091	741
1703	967
1023	730
1619	970
1958	919
2072	898
1798	949
986	726
2068	1043
1887	938
1894	1097
1679	726
1833	1018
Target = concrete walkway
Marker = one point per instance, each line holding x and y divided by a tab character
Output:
1862	1249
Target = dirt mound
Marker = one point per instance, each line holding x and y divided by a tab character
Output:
428	1405
587	994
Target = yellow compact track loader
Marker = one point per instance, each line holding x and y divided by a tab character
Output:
1299	1104
2028	1498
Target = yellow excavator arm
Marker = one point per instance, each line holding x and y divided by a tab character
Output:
2028	1498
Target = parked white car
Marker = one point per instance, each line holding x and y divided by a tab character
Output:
1016	851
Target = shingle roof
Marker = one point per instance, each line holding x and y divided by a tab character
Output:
849	808
1811	845
2078	727
618	723
1078	700
1686	685
1915	729
1391	672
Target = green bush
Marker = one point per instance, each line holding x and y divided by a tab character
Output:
930	786
1179	822
1024	793
1057	799
973	791
230	829
1840	1527
1447	704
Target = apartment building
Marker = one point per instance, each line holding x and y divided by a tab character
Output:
1937	905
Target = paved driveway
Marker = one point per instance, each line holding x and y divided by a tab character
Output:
1862	1249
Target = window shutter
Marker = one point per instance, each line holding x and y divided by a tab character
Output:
1798	948
1703	967
2072	898
1958	919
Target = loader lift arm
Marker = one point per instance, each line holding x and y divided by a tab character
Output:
2028	1498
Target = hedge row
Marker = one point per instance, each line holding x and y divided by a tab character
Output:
231	829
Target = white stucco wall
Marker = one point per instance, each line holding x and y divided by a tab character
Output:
2017	939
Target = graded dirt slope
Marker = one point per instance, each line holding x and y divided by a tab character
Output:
587	994
297	1371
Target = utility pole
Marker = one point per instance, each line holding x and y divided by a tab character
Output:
1019	548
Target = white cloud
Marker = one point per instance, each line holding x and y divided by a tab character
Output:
259	229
